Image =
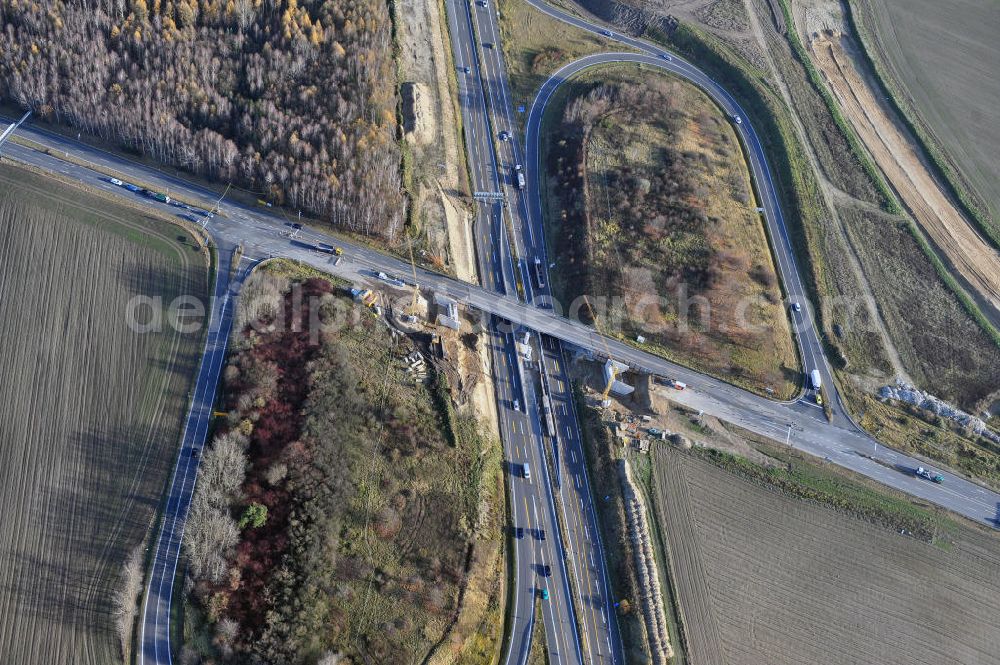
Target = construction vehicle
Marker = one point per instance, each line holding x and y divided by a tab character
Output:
929	475
328	249
364	296
304	244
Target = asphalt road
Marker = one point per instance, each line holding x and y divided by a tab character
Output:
810	348
598	636
263	234
155	627
540	558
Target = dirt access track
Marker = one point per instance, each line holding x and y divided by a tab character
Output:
968	253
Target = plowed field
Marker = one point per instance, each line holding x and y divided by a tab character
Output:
765	578
90	411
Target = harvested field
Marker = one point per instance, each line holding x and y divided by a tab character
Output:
941	58
765	578
90	412
968	252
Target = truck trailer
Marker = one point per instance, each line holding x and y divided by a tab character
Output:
815	380
519	175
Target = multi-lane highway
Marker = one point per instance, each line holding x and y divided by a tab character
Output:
539	502
540	558
261	233
508	247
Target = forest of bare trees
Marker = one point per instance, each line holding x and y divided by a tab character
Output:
292	99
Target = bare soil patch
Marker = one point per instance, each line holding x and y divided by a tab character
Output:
766	578
433	160
90	411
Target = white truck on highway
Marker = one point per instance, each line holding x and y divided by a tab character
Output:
391	279
519	175
932	476
815	380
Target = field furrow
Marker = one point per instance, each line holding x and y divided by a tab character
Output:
790	582
89	409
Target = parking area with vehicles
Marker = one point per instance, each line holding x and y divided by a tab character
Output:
766	577
90	410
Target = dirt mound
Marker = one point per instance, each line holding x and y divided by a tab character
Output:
418	119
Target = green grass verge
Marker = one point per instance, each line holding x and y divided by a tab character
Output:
813	482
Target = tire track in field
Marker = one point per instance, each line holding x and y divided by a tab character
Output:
792	582
697	612
96	594
100	420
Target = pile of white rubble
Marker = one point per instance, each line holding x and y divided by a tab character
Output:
903	392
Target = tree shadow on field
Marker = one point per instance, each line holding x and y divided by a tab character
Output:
164	279
92	516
